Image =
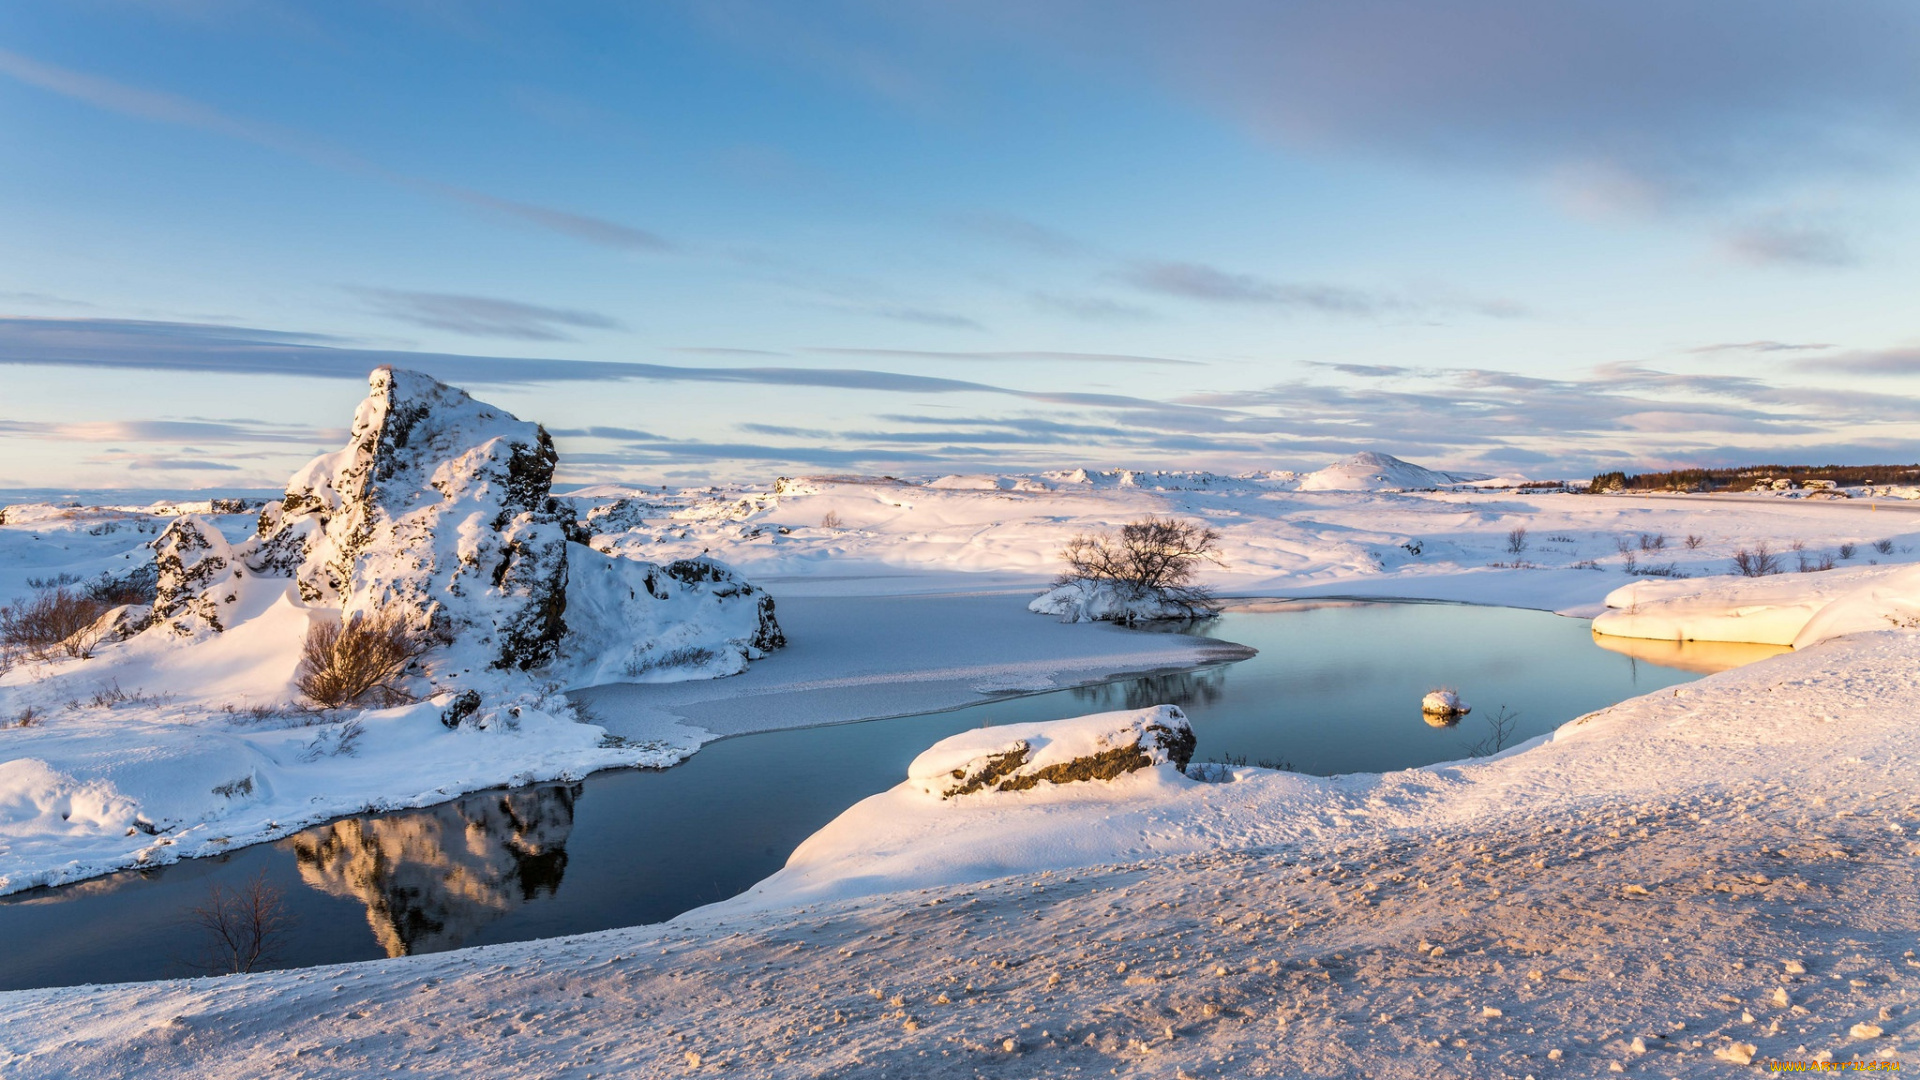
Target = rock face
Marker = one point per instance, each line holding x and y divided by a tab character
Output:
196	590
440	507
1022	756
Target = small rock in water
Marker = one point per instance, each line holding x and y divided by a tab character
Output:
1444	703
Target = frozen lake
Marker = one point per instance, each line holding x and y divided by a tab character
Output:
1335	688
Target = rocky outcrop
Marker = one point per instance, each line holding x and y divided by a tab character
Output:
196	588
1022	756
440	508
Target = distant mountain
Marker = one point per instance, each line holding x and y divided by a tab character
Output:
1381	472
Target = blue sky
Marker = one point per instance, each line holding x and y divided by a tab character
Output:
735	239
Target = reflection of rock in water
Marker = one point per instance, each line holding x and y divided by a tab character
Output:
1180	688
432	877
1441	719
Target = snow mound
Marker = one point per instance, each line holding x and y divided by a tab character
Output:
631	621
1444	703
1369	471
1021	756
1084	601
1770	610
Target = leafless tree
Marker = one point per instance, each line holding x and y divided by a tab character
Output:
362	657
1153	557
243	925
1517	539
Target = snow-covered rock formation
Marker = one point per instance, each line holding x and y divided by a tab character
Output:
1369	471
440	508
1017	757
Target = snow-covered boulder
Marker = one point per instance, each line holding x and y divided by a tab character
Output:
1444	703
196	591
632	621
1369	471
1082	600
1021	756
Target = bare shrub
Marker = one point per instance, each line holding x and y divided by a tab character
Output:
1653	541
1694	542
28	717
1630	563
1884	547
364	657
1517	539
1822	561
137	586
1153	557
1759	562
1500	727
1623	544
830	520
1847	551
243	925
52	623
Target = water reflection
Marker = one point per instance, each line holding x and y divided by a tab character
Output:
1441	719
1702	657
432	877
1182	688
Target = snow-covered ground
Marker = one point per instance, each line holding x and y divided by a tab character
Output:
1264	924
1719	873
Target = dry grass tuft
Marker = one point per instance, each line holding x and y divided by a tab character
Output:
362	658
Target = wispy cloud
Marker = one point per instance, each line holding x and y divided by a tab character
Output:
1090	308
174	431
162	107
1021	233
1902	360
1759	347
1013	355
483	316
1713	105
1197	281
927	317
1783	242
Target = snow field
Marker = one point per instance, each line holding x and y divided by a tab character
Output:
1715	873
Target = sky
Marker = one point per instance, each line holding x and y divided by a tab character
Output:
733	239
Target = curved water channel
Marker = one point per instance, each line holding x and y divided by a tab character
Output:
1335	688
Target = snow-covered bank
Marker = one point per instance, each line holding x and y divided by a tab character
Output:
1720	872
1782	609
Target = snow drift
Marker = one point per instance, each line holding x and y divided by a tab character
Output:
1781	609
